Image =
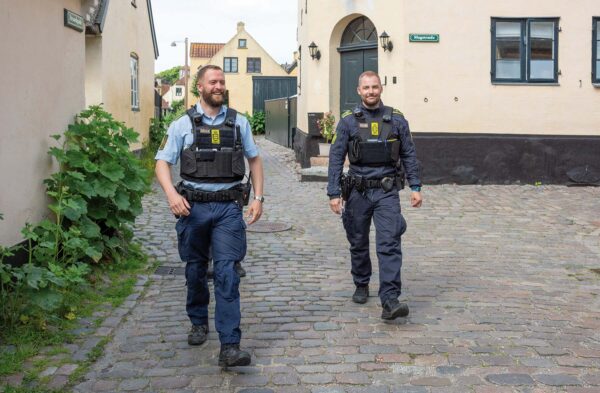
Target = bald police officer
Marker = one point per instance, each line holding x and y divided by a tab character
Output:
378	143
211	141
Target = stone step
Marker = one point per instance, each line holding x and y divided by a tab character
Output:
319	161
316	173
324	161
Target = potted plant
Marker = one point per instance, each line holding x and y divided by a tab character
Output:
327	128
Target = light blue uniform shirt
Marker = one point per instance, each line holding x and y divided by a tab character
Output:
180	136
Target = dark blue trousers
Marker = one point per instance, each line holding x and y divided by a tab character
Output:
384	209
220	227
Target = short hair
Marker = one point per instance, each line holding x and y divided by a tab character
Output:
368	73
205	68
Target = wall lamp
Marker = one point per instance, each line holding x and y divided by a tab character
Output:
315	53
386	44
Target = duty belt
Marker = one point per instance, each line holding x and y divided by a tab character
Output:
191	195
372	183
385	183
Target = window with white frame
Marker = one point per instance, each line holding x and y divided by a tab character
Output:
178	91
230	64
596	50
525	50
135	95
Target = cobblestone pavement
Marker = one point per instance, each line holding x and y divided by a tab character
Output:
499	279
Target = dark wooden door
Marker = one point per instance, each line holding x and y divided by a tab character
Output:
354	63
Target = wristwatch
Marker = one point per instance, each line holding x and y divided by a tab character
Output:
259	198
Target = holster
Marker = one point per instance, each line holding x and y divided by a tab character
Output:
246	189
400	176
346	186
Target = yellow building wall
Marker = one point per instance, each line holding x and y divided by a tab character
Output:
240	84
127	30
42	78
454	74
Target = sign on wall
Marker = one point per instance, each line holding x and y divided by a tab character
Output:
424	38
74	21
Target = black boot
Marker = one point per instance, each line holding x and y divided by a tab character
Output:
393	309
231	356
361	295
198	334
239	269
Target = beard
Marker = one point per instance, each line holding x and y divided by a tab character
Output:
214	100
371	101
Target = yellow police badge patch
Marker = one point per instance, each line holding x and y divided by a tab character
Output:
215	137
163	143
375	129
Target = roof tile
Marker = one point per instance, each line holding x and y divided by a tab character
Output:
204	50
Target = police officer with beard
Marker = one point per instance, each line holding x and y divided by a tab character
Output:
378	143
211	141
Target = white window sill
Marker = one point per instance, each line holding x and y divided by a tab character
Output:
525	84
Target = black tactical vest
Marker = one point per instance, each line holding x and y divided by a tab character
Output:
216	155
374	145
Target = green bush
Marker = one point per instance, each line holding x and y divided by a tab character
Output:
171	75
158	128
257	122
97	191
195	91
96	195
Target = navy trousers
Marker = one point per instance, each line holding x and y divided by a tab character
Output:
220	227
384	209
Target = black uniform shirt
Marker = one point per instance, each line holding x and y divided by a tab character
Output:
348	127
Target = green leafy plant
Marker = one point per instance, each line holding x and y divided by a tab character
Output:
170	76
97	192
158	127
327	126
30	294
257	122
194	90
94	196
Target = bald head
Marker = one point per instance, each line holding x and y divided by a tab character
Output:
368	74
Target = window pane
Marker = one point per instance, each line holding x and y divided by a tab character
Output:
361	30
508	29
508	49
597	68
542	69
597	50
508	69
542	41
542	30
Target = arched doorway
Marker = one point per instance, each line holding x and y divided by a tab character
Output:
358	50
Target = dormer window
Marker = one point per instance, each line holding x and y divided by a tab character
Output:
242	43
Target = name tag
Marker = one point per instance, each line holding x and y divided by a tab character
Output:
363	125
215	137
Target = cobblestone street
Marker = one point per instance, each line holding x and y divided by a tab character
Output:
503	284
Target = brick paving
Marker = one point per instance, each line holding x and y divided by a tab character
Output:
499	281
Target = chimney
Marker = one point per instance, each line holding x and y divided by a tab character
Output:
240	27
